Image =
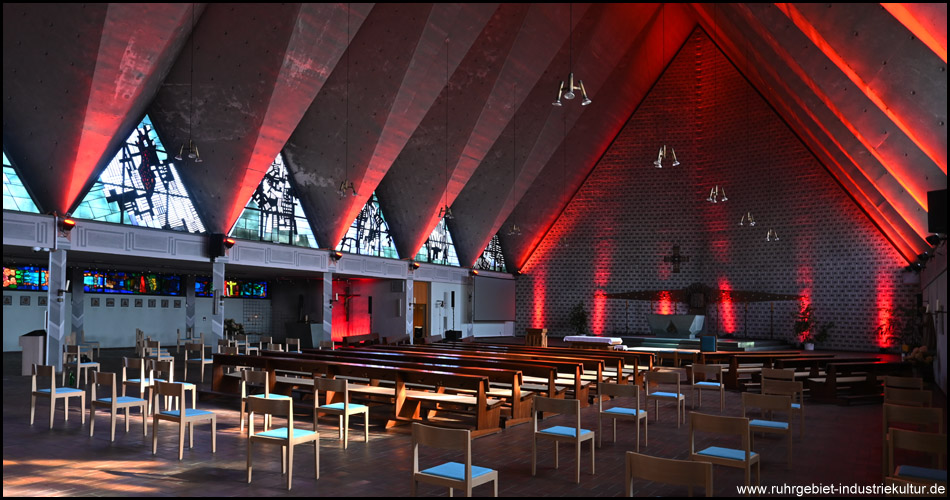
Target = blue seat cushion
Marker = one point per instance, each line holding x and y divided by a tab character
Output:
88	364
121	400
768	423
921	473
455	470
715	451
666	395
339	406
63	390
709	384
281	433
796	406
624	411
560	430
188	413
269	396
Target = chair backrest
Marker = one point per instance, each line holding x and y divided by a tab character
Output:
778	374
563	406
661	377
44	371
270	346
256	377
926	442
765	402
106	379
708	370
903	382
274	407
719	425
169	389
133	368
440	437
228	350
163	369
194	347
328	385
796	390
664	470
293	344
267	340
620	391
72	350
929	418
910	397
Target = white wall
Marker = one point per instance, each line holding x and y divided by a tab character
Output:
441	318
494	329
115	326
387	321
933	282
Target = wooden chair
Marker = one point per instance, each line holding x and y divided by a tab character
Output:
113	403
264	342
536	337
903	382
293	344
189	337
135	375
665	470
921	442
766	404
336	390
665	377
257	378
198	358
73	353
794	390
164	371
463	476
560	433
908	397
270	346
709	371
184	417
222	343
242	341
628	412
778	374
921	419
153	350
64	393
286	437
742	458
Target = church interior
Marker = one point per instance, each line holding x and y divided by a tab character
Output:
490	226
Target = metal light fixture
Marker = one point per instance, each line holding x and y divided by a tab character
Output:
446	211
514	230
771	235
747	219
567	87
665	153
346	186
190	150
716	195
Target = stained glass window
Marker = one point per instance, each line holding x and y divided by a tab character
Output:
141	187
15	195
438	248
25	278
131	283
492	258
232	288
274	213
369	233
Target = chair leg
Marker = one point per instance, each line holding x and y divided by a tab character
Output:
316	457
534	456
556	461
65	409
591	456
214	433
577	452
181	439
52	410
366	426
154	436
92	417
290	465
600	430
32	408
82	408
113	416
250	445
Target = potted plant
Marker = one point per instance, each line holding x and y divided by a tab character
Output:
803	324
900	329
578	319
231	328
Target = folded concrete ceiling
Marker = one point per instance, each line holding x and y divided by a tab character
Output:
360	93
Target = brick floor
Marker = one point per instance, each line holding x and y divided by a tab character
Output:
841	445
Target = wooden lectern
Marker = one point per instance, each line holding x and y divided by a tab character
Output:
536	337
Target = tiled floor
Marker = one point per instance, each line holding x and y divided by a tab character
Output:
842	445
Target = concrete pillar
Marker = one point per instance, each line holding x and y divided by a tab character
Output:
217	313
78	308
56	321
189	304
408	309
327	332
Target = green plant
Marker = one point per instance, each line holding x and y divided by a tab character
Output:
232	328
578	319
900	326
808	330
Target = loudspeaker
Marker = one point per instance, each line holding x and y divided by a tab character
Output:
370	302
937	211
453	298
215	245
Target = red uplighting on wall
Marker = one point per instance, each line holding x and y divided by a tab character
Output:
884	300
666	303
727	309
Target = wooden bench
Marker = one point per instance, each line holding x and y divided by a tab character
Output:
847	381
742	366
408	403
504	383
367	339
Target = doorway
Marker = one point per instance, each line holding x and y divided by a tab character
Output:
420	311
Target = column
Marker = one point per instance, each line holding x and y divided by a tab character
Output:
78	310
190	305
408	308
56	318
326	334
217	312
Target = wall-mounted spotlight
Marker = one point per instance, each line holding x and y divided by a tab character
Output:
336	255
935	239
67	225
473	272
413	265
229	242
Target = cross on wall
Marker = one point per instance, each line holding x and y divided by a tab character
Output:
676	258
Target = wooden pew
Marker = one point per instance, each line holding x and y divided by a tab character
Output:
749	363
505	383
576	376
408	403
859	379
367	339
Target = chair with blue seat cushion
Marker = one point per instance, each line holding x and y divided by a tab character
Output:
164	371
669	471
742	458
293	344
153	350
195	355
627	408
337	397
184	417
54	393
74	357
136	375
574	434
189	337
911	418
711	381
286	437
792	389
921	443
113	402
463	476
665	377
257	380
768	404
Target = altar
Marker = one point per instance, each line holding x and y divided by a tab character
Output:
676	325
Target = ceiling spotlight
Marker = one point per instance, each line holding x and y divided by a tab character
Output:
771	235
935	239
413	265
514	230
566	89
716	195
67	225
473	272
665	153
336	255
346	186
190	151
446	212
229	242
747	219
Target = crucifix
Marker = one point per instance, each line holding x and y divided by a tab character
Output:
676	258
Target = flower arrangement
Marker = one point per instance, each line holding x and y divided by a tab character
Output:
920	356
